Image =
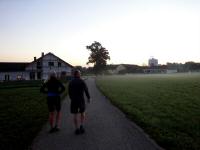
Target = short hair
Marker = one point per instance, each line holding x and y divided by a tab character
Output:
52	74
76	72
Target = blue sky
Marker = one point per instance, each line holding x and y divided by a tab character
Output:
131	30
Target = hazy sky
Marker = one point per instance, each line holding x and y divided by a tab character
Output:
131	30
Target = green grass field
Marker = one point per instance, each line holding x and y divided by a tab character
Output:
18	84
23	112
167	107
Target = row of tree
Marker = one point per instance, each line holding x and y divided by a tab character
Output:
187	67
99	56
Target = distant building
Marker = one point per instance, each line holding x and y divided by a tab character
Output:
38	69
153	62
155	69
119	68
115	69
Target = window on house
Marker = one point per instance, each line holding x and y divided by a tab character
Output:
32	75
39	75
51	64
39	65
7	77
59	64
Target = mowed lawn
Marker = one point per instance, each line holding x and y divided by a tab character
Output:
167	107
23	112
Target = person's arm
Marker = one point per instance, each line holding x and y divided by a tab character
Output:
70	90
86	92
43	88
62	88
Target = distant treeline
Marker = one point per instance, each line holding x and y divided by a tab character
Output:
188	66
130	68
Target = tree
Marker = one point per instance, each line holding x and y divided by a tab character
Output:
98	56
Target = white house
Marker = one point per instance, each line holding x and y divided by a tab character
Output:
35	70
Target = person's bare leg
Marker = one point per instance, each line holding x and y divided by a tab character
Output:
76	124
76	121
51	120
58	118
82	118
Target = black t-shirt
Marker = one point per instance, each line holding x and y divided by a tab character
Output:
76	88
52	86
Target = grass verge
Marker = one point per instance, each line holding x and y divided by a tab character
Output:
20	84
23	112
165	106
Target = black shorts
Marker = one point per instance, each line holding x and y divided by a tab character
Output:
53	103
77	107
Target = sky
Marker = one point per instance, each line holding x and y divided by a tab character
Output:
131	30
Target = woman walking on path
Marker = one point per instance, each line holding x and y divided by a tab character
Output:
77	88
53	88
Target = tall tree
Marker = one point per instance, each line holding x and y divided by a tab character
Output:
98	56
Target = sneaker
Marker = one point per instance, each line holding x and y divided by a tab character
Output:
82	130
51	130
77	132
56	129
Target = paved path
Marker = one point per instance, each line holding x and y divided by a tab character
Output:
107	128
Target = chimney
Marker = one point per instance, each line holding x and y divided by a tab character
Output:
42	54
34	58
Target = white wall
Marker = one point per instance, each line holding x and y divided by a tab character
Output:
31	67
14	75
45	70
48	69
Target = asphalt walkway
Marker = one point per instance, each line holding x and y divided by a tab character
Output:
107	128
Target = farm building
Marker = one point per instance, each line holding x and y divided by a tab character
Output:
123	69
38	69
156	69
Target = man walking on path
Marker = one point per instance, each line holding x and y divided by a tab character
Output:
53	88
77	88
